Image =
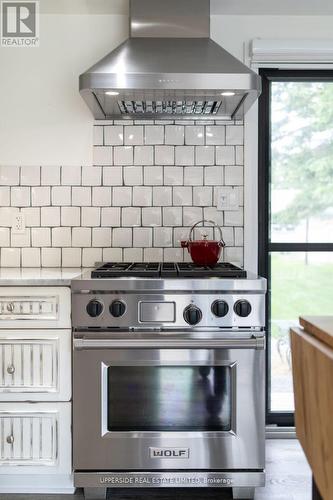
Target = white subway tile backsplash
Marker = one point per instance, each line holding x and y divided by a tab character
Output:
184	155
174	134
50	176
123	155
91	176
182	195
235	134
4	196
41	236
71	257
154	134
112	176
133	135
71	176
213	176
90	256
70	216
130	216
101	196
153	175
173	176
225	155
194	135
9	176
143	155
61	237
150	181
152	216
20	240
233	175
20	196
112	254
204	155
163	236
133	176
61	195
30	257
191	215
114	135
81	236
90	216
4	237
101	237
122	237
142	237
215	135
30	176
110	217
10	257
102	155
81	196
162	196
202	196
153	254
234	254
193	176
133	254
142	196
164	155
172	216
98	135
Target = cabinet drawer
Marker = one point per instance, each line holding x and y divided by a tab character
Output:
35	365
34	307
36	436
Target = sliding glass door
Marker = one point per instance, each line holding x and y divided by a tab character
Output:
295	215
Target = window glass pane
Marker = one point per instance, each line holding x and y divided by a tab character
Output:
175	398
301	191
301	284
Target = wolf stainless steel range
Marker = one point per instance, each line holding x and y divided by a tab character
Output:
168	377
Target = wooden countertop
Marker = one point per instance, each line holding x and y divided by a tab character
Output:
320	327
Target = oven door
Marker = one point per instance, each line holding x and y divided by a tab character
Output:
147	404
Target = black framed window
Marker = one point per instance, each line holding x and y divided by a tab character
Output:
295	215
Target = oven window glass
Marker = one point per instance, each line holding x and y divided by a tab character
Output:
173	398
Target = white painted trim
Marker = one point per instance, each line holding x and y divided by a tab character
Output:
291	51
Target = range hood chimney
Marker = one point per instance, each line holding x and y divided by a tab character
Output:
169	67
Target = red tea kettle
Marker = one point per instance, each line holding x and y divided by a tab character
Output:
204	252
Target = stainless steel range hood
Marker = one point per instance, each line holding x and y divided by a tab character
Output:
169	67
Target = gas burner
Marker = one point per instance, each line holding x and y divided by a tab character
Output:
167	270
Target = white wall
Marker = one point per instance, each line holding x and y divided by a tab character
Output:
44	121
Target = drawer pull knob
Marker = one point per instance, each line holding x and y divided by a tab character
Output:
10	307
11	369
10	439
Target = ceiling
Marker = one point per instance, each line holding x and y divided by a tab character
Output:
218	7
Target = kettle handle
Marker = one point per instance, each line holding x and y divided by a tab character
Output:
221	242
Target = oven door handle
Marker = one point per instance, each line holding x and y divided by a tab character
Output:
249	343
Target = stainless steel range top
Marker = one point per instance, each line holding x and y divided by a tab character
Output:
167	296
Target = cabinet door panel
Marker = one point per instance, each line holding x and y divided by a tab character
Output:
35	365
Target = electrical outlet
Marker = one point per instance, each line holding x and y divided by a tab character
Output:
18	225
227	199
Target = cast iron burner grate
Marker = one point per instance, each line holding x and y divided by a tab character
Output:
167	270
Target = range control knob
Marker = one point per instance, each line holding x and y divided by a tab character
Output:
242	308
220	308
192	315
94	308
117	308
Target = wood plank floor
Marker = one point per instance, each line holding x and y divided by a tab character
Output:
288	478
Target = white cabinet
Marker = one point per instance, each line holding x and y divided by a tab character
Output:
35	365
35	390
35	444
